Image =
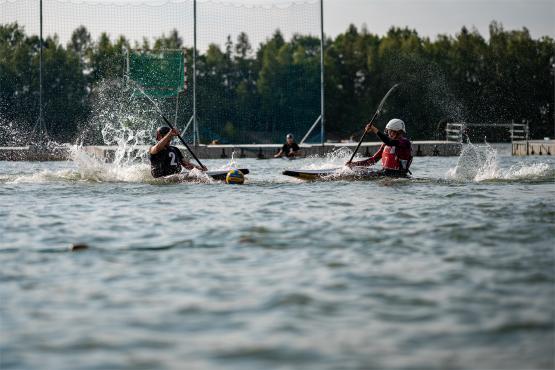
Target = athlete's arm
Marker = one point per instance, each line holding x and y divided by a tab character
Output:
155	149
378	155
279	154
387	140
370	161
188	165
363	163
383	137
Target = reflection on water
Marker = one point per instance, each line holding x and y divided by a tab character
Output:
452	269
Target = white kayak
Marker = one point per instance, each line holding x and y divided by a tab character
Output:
341	173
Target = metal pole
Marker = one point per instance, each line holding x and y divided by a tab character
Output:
41	113
187	125
322	132
310	130
195	139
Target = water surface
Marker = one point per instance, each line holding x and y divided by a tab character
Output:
453	269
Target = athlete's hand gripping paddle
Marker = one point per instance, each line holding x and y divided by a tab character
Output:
378	111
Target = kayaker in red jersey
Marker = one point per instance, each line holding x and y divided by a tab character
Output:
395	152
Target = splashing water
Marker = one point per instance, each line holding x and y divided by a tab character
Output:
231	164
91	168
120	118
334	159
481	163
472	161
12	134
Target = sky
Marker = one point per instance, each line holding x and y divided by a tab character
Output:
218	18
432	17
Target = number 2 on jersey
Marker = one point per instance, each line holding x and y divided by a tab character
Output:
172	162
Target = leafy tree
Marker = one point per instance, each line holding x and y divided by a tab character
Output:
248	95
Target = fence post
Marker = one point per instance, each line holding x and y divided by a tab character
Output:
40	128
195	138
322	129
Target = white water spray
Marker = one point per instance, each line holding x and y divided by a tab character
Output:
481	163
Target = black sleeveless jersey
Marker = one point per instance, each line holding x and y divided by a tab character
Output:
289	148
166	162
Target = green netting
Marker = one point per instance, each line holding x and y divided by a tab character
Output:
257	63
159	73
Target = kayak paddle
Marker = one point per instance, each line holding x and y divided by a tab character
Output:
378	111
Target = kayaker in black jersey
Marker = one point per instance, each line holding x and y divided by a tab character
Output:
166	159
395	152
289	149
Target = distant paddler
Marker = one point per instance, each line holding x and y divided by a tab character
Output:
166	159
290	149
395	152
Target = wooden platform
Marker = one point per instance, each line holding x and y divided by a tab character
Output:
534	147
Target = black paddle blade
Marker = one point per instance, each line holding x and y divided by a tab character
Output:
310	174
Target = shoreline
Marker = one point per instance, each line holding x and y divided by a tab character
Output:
266	151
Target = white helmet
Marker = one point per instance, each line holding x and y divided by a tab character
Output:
395	125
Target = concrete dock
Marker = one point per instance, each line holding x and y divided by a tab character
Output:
420	148
26	153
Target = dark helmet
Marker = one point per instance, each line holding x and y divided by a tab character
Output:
163	131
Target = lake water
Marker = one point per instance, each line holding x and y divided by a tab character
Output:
452	269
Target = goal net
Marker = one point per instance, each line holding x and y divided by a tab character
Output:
159	73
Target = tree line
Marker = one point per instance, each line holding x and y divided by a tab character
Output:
248	94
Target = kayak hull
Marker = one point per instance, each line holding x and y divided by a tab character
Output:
341	174
186	176
311	174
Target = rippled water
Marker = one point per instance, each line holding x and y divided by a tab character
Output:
452	269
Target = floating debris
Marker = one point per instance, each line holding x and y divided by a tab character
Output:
78	247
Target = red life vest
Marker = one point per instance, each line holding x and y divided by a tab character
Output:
397	157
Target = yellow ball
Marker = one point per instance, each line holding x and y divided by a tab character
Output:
235	177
